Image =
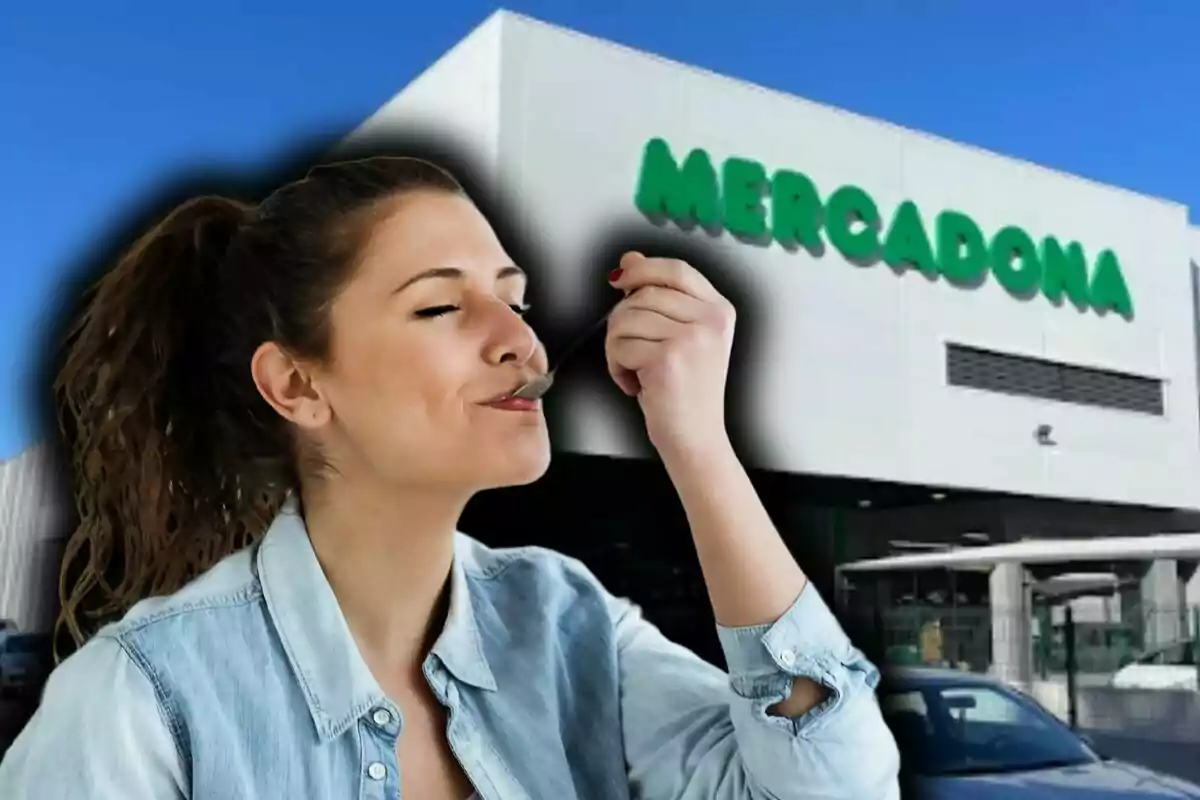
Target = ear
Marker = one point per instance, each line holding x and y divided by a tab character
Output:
288	386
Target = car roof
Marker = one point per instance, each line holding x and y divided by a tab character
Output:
901	678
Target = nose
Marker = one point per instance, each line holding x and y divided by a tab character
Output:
514	342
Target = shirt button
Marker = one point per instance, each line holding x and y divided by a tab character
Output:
382	717
377	771
788	657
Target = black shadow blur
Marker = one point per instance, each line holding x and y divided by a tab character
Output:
69	302
620	516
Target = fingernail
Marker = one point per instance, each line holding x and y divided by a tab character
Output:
615	275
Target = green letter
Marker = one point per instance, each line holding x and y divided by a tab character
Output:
1108	289
744	183
795	210
1012	245
687	195
906	243
848	205
962	253
1064	271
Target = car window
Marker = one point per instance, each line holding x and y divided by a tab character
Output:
908	717
966	728
1153	657
905	701
989	707
1179	654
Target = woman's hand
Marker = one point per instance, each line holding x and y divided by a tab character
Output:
668	344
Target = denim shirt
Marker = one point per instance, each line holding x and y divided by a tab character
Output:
247	684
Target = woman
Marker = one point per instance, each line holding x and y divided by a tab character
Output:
334	367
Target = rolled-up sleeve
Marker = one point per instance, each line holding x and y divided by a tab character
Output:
693	731
98	733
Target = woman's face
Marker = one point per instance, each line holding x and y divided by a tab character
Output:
425	337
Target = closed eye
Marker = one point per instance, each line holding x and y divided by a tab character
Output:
434	311
520	309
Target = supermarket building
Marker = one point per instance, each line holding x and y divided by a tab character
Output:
948	346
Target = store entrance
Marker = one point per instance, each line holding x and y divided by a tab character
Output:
623	519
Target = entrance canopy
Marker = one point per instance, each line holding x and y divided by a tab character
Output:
1041	551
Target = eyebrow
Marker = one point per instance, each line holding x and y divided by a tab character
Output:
454	273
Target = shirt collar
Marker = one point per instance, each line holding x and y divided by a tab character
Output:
333	677
460	646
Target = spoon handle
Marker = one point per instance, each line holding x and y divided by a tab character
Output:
580	339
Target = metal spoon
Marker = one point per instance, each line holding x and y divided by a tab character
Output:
536	387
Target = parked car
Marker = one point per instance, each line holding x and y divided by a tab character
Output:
1172	666
25	660
970	737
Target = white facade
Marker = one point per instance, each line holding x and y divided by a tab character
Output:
31	508
851	377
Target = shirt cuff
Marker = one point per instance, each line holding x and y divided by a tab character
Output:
807	641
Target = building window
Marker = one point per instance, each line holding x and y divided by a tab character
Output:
991	371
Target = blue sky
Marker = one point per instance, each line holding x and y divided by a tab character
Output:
98	111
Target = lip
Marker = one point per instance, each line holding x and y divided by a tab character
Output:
507	402
510	403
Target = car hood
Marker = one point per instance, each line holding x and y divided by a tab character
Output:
1105	780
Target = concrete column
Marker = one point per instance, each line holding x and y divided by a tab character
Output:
1189	585
1191	594
1191	590
1012	644
1161	603
1130	601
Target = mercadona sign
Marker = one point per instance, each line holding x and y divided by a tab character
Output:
785	207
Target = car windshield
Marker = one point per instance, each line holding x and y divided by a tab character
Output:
1179	654
946	728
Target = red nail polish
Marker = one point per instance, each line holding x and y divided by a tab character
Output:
615	275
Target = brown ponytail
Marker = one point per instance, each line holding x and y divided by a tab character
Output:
126	355
176	459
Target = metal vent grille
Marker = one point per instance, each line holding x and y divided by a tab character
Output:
1048	380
